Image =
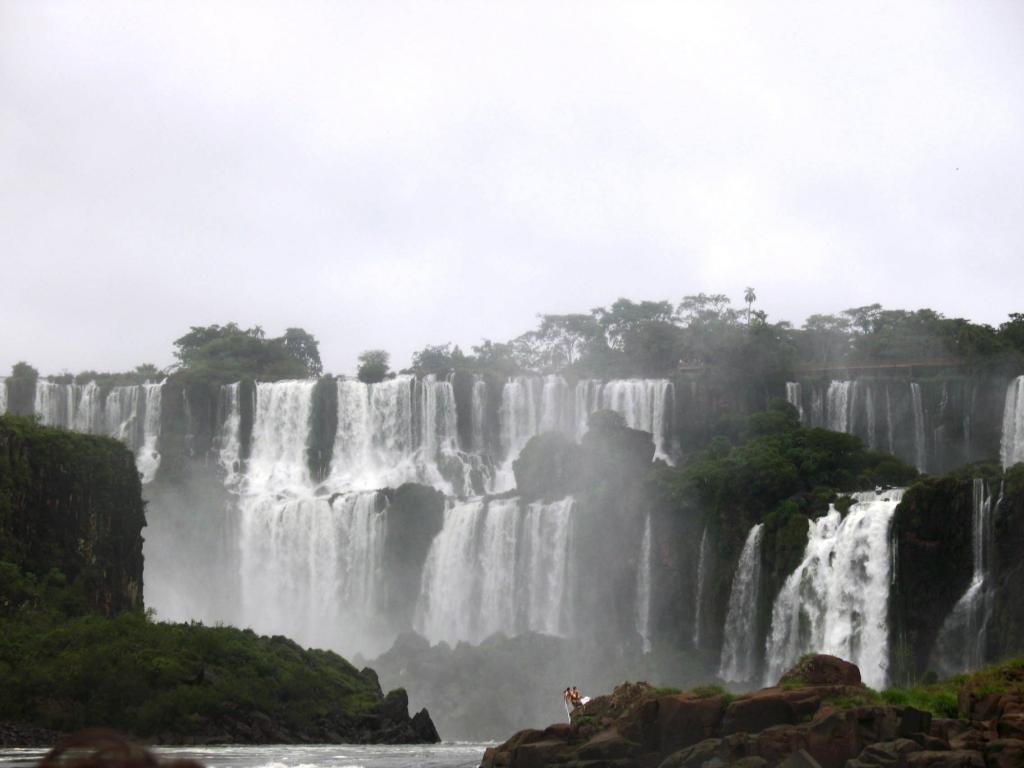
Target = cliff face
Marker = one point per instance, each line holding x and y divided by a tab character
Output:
1006	633
932	534
72	502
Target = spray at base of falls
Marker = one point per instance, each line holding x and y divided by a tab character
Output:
961	642
1012	443
739	660
493	568
643	588
312	569
837	600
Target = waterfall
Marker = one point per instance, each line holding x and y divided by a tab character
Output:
121	412
492	569
794	396
88	413
643	404
555	406
960	644
920	444
148	456
478	414
739	660
314	569
51	403
643	588
837	415
837	600
3	395
376	442
438	430
703	561
587	400
1012	443
277	464
229	451
546	566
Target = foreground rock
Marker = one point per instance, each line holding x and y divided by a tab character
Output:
819	715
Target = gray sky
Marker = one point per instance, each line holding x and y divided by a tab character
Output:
392	174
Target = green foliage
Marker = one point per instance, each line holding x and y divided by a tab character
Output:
23	370
373	366
221	354
439	360
148	678
940	697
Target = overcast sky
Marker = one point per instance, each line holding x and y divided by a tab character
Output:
391	174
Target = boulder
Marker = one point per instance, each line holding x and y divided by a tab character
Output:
821	669
685	719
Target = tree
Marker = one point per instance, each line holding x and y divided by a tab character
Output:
565	338
148	371
749	297
228	353
437	359
304	348
625	316
373	366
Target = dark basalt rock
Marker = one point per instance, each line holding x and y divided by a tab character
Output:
813	721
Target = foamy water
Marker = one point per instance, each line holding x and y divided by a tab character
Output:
451	755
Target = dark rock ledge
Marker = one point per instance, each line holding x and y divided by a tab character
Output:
818	715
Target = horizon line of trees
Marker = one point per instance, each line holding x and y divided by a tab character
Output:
645	338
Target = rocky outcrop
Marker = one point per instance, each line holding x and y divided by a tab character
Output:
819	716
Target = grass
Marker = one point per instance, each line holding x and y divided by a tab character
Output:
940	697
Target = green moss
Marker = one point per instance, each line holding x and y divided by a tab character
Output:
666	691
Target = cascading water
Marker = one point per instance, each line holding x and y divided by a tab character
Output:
546	567
703	562
394	431
3	395
960	644
129	413
148	457
495	569
643	403
1012	443
587	400
837	415
837	600
310	565
643	589
478	414
920	444
88	413
739	660
121	412
229	450
314	569
794	396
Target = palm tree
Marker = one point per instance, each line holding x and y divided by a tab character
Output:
750	297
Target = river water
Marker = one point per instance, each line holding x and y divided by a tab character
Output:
451	755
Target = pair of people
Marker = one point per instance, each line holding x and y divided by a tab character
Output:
572	698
